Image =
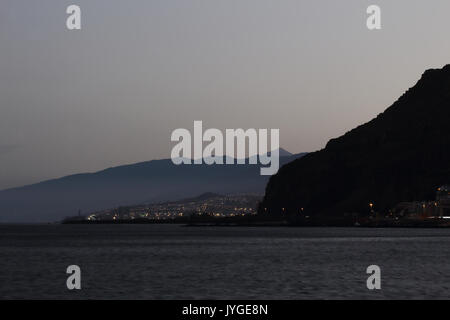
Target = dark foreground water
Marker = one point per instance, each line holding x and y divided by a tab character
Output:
176	262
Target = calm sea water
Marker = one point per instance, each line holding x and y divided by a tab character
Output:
176	262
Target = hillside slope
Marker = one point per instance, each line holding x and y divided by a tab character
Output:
151	181
401	155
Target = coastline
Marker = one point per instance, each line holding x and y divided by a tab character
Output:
225	222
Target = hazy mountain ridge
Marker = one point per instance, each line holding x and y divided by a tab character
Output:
150	181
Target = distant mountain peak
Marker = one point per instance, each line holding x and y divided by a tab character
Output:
284	153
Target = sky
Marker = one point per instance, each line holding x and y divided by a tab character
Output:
113	92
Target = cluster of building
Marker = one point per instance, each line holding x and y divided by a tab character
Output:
439	208
207	204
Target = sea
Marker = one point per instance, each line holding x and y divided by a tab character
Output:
168	262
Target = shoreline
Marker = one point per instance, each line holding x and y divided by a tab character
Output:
410	224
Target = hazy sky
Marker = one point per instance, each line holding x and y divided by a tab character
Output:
112	93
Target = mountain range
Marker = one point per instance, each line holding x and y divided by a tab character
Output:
145	182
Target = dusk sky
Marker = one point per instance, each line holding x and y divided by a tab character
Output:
112	92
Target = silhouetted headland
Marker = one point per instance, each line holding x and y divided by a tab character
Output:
401	156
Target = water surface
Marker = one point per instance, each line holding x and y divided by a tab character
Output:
177	262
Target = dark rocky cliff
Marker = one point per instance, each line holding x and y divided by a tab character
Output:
401	155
